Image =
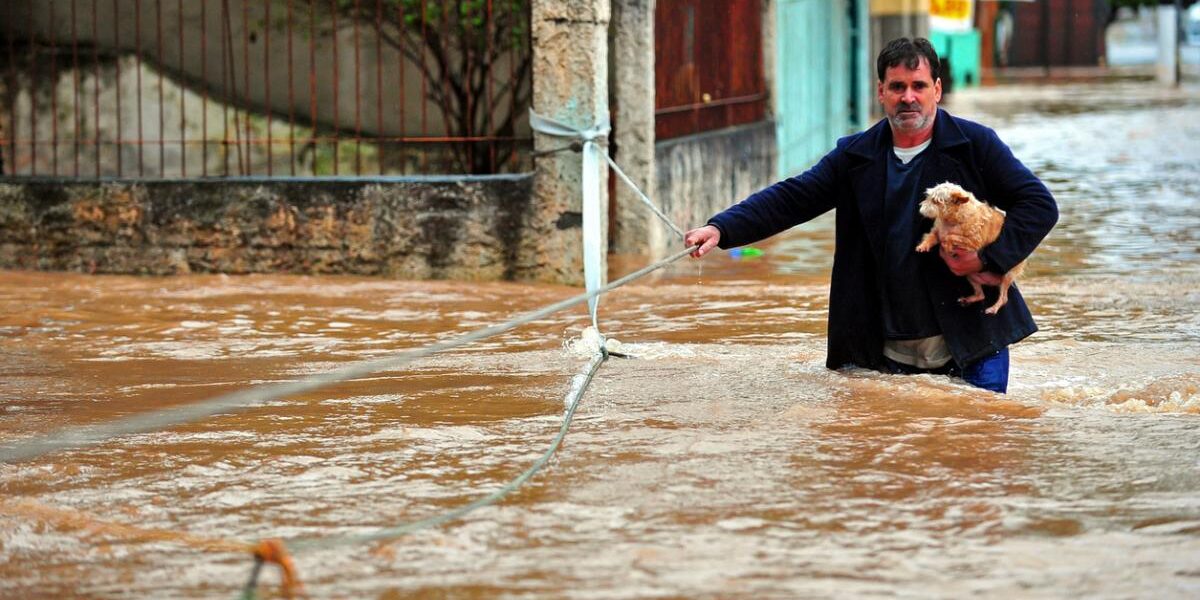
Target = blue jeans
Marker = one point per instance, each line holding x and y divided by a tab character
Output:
989	373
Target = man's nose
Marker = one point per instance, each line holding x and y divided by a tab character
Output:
909	95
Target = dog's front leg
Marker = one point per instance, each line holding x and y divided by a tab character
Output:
929	241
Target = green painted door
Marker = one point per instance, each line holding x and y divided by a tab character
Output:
819	77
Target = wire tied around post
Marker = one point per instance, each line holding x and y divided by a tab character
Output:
572	147
591	139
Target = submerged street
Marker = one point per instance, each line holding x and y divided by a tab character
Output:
723	460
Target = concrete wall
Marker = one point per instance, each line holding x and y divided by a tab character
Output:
700	175
420	228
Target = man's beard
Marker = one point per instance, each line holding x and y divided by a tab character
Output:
914	124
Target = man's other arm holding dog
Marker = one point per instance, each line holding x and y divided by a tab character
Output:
1030	213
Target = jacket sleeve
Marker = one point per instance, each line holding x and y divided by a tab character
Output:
790	202
1030	209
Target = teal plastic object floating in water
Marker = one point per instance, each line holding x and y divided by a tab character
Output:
745	252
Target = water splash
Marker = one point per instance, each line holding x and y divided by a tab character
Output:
589	342
1173	394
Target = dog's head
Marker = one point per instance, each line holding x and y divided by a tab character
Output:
942	201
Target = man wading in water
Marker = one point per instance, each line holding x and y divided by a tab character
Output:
891	308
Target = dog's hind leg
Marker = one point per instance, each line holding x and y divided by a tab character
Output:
1003	299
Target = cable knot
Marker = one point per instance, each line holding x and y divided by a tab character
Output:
597	134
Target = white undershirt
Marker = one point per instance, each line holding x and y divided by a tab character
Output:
907	154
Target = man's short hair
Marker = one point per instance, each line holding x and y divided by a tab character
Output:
908	53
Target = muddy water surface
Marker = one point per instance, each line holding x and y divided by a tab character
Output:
723	461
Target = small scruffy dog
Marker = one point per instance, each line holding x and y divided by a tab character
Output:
961	222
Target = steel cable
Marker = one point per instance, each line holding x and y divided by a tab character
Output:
80	437
307	543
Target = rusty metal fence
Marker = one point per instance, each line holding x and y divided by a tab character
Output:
225	88
708	65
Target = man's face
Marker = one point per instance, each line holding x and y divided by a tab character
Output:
909	97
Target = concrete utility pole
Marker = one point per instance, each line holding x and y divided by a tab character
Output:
637	230
891	19
1167	70
570	85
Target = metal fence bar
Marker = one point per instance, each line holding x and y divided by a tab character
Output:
75	89
162	102
424	84
267	76
117	64
96	82
357	93
182	98
204	90
379	79
230	90
225	86
444	74
137	10
491	91
468	90
337	84
400	69
33	73
722	102
8	152
512	77
244	158
53	99
312	73
291	93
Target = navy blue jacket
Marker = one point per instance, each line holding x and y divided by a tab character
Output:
853	178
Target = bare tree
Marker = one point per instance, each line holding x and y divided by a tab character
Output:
475	53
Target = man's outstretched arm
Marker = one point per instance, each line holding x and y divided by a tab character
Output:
1030	209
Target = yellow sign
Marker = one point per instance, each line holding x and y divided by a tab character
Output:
959	10
951	15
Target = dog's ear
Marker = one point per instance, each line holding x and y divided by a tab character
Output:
961	198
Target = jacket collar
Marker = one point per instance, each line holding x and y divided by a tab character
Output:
878	139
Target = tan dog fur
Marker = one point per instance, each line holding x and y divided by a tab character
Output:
961	222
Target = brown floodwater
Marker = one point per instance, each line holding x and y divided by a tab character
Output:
723	460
